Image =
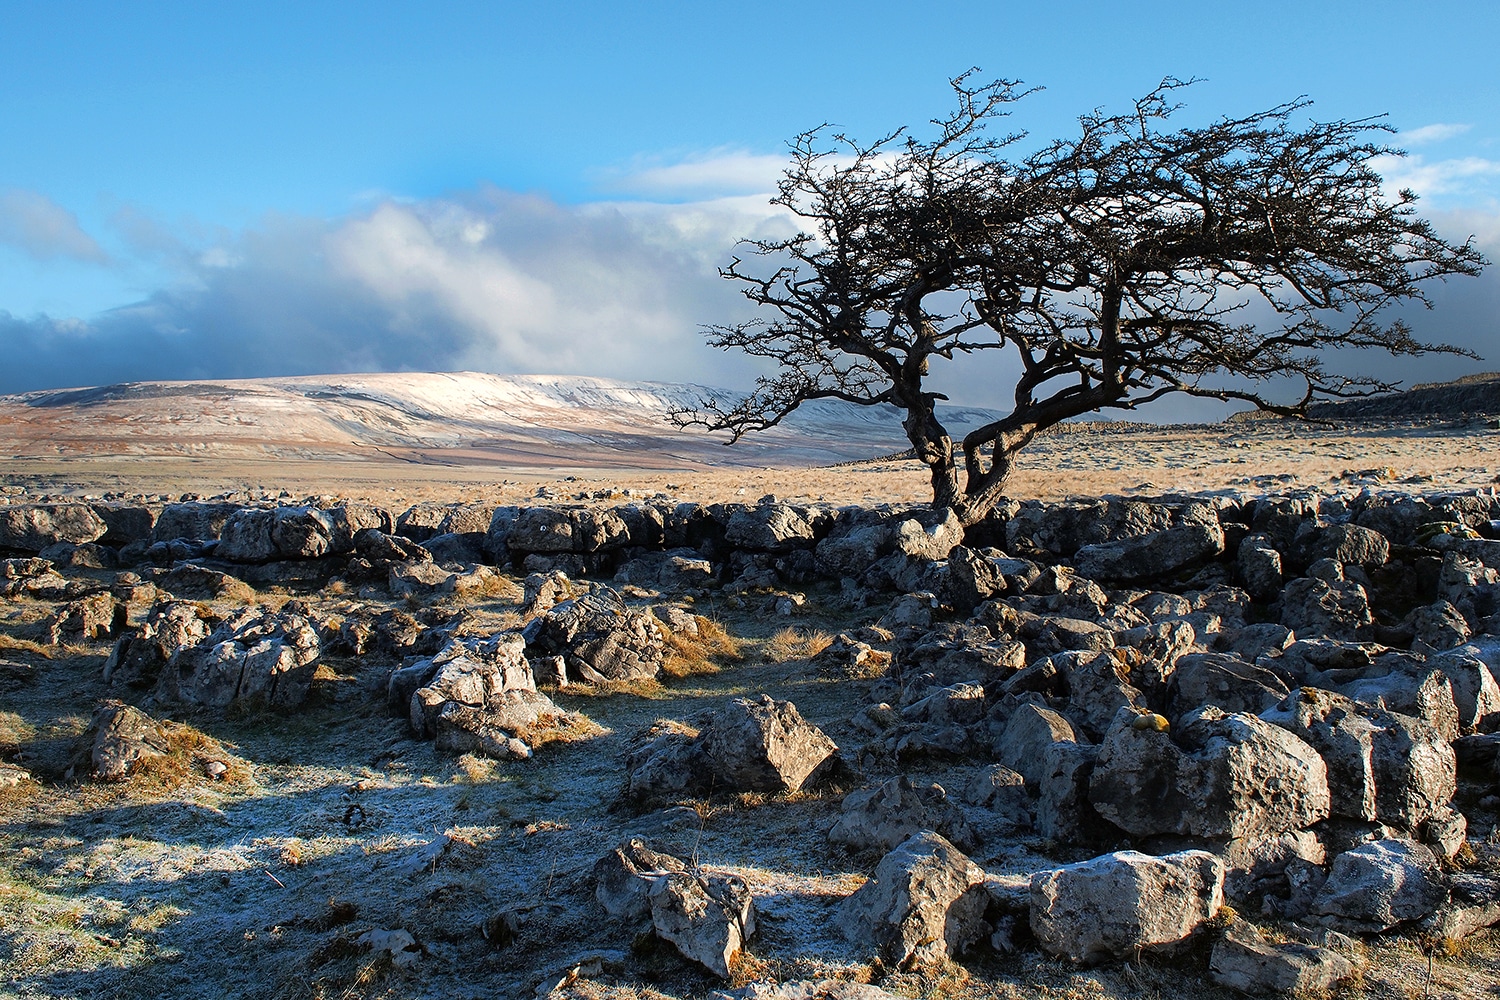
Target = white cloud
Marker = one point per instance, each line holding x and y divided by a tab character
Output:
1467	176
715	174
44	229
1436	132
490	280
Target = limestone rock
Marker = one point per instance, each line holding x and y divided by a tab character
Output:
882	817
1063	810
1473	904
1145	557
256	656
765	745
199	583
973	577
256	536
1259	565
1349	545
1436	627
1125	902
1098	687
708	919
475	696
1244	960
599	638
666	766
120	737
623	878
88	619
1225	681
137	658
1476	693
1027	734
1231	776
1376	886
1312	607
847	657
772	527
33	527
929	534
925	903
1334	726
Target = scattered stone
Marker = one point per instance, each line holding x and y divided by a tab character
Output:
119	738
138	657
599	638
925	903
1242	959
848	657
255	657
1214	775
623	878
33	527
1226	682
1259	565
882	817
1028	732
707	918
1148	556
1312	607
1376	886
1122	903
88	619
765	745
1473	904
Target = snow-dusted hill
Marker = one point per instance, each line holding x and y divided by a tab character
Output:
522	421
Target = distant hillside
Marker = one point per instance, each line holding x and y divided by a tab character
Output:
461	418
1470	395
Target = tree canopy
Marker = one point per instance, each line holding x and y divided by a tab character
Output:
1119	265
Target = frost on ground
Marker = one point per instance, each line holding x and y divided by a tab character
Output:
324	850
343	828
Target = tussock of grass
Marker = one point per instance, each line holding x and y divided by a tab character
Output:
646	687
708	652
571	727
795	644
189	751
19	645
15	731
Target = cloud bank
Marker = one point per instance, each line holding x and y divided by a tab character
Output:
491	280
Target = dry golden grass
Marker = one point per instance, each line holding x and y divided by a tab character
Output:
708	652
569	728
189	751
15	731
15	644
792	643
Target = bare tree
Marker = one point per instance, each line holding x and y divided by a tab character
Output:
1119	265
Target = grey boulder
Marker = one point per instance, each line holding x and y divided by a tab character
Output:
925	903
1243	960
1378	885
256	657
1125	902
1224	775
882	817
765	745
707	918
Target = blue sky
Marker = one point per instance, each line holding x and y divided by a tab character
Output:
196	190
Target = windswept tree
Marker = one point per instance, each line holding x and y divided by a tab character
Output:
1120	266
